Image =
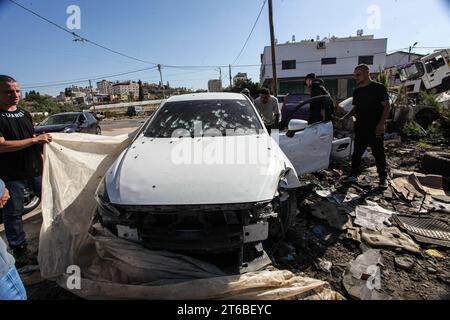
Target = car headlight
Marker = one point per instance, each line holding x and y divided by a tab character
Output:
110	215
69	130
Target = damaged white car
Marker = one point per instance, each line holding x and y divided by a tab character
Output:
203	177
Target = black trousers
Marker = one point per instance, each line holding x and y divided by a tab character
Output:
364	140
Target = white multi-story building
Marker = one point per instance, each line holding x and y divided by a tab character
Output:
214	85
126	88
105	87
332	60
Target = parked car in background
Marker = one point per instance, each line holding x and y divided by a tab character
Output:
30	202
280	99
135	111
69	122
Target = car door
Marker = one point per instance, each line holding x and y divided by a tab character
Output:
83	123
309	150
92	123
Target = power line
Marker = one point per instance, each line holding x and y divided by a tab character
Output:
78	37
251	32
57	84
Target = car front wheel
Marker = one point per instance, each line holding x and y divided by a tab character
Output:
30	201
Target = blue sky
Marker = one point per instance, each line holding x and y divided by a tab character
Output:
194	32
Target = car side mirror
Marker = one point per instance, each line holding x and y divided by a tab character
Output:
296	125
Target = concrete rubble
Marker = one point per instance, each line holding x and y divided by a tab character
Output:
348	235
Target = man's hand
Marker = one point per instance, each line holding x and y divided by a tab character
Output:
43	139
380	130
4	198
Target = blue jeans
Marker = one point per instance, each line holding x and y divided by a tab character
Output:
11	286
13	210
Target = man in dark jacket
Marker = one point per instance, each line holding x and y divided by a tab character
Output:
318	110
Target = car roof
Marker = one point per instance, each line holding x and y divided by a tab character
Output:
72	113
207	96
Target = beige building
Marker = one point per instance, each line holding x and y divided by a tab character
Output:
105	87
214	85
126	88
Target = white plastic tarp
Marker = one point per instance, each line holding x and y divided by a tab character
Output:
112	268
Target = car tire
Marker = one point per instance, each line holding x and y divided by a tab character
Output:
98	131
31	201
436	163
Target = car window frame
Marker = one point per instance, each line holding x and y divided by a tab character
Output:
146	126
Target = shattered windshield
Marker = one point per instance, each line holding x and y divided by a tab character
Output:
204	118
413	71
59	119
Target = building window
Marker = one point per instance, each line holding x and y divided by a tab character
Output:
328	60
289	64
365	60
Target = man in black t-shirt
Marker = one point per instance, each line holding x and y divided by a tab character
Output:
20	164
371	108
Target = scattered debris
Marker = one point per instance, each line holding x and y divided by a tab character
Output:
362	280
372	216
389	237
335	216
404	262
434	253
324	265
425	230
353	234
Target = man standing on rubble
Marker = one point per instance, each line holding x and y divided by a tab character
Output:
371	108
267	106
318	110
20	165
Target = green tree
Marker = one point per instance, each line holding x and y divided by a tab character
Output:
240	85
141	91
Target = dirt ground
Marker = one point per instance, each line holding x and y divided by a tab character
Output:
313	240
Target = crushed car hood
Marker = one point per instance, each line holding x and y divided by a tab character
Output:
155	171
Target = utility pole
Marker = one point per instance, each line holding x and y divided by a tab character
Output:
92	96
272	44
229	69
220	73
162	83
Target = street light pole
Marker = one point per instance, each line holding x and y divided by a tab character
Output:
410	48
